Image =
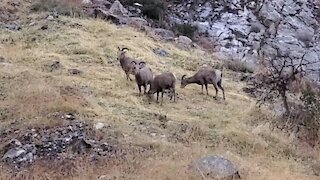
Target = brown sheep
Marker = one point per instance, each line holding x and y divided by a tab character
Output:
204	77
162	82
143	75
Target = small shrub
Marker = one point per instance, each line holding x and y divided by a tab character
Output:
66	8
238	66
185	30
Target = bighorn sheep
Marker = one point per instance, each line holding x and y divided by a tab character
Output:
204	77
143	75
162	82
126	62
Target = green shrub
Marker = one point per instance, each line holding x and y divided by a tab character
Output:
185	30
62	7
153	9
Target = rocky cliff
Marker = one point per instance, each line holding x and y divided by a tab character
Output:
239	29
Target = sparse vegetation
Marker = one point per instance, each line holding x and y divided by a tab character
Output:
185	30
62	7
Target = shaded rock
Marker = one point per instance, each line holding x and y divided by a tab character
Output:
118	9
56	65
74	71
44	27
137	22
161	52
163	33
215	167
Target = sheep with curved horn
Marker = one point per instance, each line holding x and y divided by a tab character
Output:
204	77
143	75
126	62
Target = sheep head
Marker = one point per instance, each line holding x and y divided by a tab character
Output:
121	52
183	81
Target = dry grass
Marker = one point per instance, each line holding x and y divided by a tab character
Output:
179	132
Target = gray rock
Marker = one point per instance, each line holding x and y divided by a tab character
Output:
50	17
161	52
215	167
118	9
14	153
13	27
99	126
163	33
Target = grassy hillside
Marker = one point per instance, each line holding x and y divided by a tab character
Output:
31	89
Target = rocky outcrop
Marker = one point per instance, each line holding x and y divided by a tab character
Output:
241	28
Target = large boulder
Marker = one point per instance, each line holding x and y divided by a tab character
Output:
184	42
215	167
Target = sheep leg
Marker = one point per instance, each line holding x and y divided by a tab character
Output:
162	92
206	85
174	94
220	86
216	88
201	88
139	87
157	96
128	77
145	88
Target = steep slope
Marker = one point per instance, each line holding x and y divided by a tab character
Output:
33	87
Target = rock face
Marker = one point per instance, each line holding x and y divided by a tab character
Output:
240	28
215	167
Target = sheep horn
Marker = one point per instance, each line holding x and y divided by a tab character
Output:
183	77
142	62
124	49
133	62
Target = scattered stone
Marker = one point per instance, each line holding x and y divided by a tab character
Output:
74	71
44	27
215	167
70	116
49	143
99	126
13	27
161	52
32	23
56	65
2	59
50	18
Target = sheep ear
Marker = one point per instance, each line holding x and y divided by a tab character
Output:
183	77
119	48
